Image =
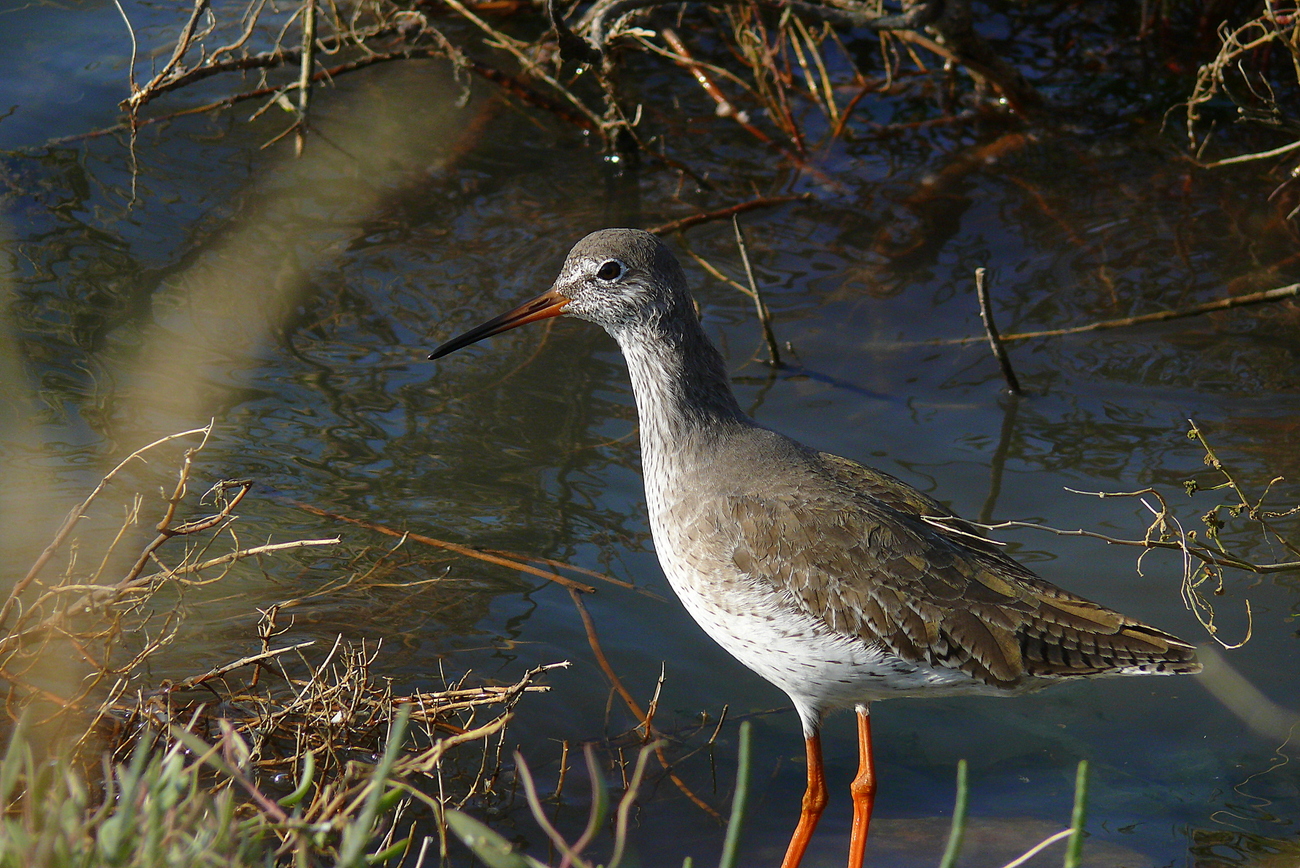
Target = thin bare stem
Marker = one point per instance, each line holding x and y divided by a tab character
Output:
991	329
1268	295
304	74
760	306
130	70
726	213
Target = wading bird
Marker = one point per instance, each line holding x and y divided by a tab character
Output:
836	582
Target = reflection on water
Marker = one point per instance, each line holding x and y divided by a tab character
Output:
295	301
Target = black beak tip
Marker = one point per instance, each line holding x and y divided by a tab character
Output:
444	350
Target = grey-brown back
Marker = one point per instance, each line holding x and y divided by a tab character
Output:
870	556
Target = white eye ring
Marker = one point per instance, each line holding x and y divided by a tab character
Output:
610	269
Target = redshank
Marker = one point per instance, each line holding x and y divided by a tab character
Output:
837	583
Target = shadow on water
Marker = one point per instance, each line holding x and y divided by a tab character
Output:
294	301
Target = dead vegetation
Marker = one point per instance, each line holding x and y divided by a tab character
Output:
643	79
761	64
1212	557
1257	71
302	735
1253	83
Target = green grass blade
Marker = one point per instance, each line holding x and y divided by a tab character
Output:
1074	848
731	845
494	850
599	801
357	834
391	853
12	766
304	781
958	819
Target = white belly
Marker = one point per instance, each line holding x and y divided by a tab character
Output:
820	669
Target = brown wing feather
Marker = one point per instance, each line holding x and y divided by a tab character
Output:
870	565
898	495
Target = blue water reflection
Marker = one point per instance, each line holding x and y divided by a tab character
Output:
295	302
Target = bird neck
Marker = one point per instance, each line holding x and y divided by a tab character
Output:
683	397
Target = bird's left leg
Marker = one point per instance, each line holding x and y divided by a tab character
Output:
863	789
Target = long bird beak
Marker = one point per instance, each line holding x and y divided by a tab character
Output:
548	304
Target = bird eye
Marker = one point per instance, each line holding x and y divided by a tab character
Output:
611	269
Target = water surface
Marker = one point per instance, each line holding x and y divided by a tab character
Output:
198	276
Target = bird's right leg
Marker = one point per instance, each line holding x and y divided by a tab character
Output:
814	802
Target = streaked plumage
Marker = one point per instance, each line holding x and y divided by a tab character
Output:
836	582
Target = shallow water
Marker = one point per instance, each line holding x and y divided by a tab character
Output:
293	301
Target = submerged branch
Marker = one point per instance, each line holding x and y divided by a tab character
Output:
468	552
1280	293
726	213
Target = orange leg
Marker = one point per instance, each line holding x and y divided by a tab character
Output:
863	789
814	802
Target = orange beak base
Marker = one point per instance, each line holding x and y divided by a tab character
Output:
546	305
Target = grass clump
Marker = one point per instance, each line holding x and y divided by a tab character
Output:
155	810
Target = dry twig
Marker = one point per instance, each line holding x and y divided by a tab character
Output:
1246	71
991	329
478	554
1205	564
650	734
764	315
725	213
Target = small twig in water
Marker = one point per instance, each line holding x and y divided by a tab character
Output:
991	329
634	706
724	106
458	549
78	511
218	671
304	74
724	213
764	315
1267	295
130	69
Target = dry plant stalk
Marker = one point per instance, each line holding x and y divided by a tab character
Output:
1247	71
1205	562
